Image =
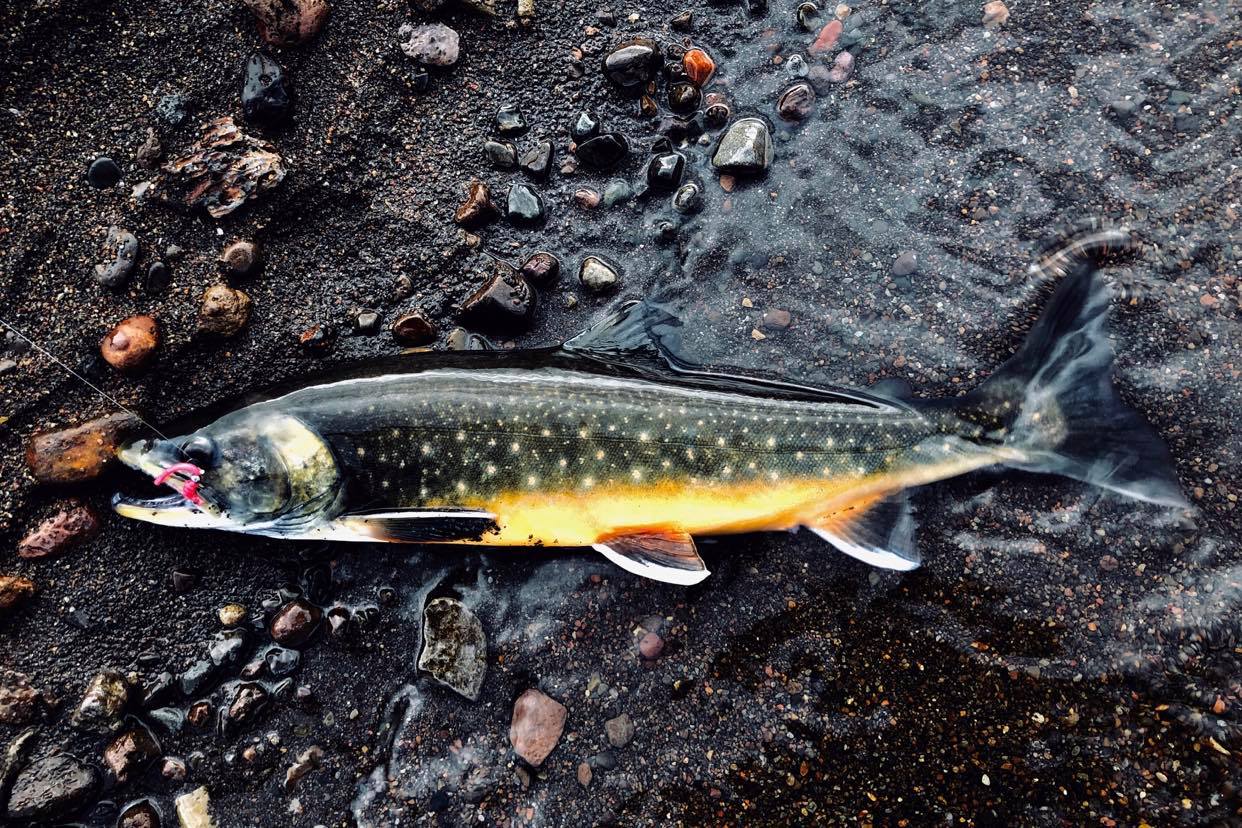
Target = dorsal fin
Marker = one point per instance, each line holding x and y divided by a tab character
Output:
879	532
670	557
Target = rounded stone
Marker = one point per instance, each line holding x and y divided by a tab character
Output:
650	646
541	269
524	205
633	63
158	278
905	263
699	66
103	173
413	329
130	345
240	257
509	120
688	198
796	102
664	171
120	251
745	148
295	623
231	615
598	274
603	152
223	312
505	302
684	97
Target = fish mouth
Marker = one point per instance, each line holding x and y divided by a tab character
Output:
167	510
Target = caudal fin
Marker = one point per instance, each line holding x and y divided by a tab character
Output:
1054	402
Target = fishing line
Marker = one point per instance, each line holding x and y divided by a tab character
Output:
74	373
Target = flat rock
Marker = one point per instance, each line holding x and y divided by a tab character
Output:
538	721
221	171
72	526
454	647
51	788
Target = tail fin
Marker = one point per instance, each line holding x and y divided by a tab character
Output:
1054	403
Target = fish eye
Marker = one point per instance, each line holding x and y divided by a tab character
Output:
200	449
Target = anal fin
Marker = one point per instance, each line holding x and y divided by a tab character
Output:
670	557
413	525
878	531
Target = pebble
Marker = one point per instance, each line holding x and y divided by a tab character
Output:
682	21
537	161
70	527
14	591
199	714
130	751
141	814
599	275
281	661
413	328
221	171
509	121
617	191
223	312
477	209
603	152
827	37
194	809
776	319
585	126
231	615
295	623
745	149
120	250
905	263
103	173
808	16
148	155
130	346
796	67
842	11
717	114
541	269
248	703
20	703
586	198
647	107
500	154
650	646
505	302
842	68
454	647
51	788
173	769
699	66
796	102
524	205
633	63
102	703
158	278
307	761
240	258
684	97
172	108
664	171
78	454
433	44
620	730
367	322
536	727
264	98
995	14
288	22
688	199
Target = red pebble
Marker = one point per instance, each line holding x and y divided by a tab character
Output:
650	646
827	37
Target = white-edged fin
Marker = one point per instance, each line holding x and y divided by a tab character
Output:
881	535
413	525
661	556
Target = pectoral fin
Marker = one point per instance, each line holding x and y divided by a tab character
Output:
662	556
413	525
878	531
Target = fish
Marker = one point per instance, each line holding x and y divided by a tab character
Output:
611	442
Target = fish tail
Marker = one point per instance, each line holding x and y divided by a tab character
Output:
1053	405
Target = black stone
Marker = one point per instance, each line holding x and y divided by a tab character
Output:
264	97
537	161
197	676
51	788
420	80
183	581
681	129
103	173
172	109
586	126
282	661
158	277
688	198
509	121
603	152
542	269
159	691
683	22
501	154
664	171
525	205
506	302
229	647
684	97
633	63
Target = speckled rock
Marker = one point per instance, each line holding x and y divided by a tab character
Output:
240	257
295	623
130	752
620	730
433	44
288	22
454	647
536	727
746	149
120	251
74	455
14	591
141	814
223	312
51	788
102	703
222	170
541	269
598	274
72	526
20	702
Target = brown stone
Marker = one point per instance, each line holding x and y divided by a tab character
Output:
995	14
58	534
199	714
14	591
584	774
130	752
776	319
240	257
221	171
537	724
413	329
699	66
249	702
74	455
478	208
504	303
20	703
103	703
587	199
224	311
130	345
295	623
796	102
288	22
541	269
140	814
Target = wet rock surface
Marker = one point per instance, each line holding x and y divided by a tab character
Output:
265	100
454	647
504	303
538	722
80	453
745	149
51	788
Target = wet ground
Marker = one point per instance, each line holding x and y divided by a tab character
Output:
1062	657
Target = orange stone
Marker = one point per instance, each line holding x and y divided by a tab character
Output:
699	66
827	37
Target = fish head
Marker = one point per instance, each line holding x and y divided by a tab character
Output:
260	472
